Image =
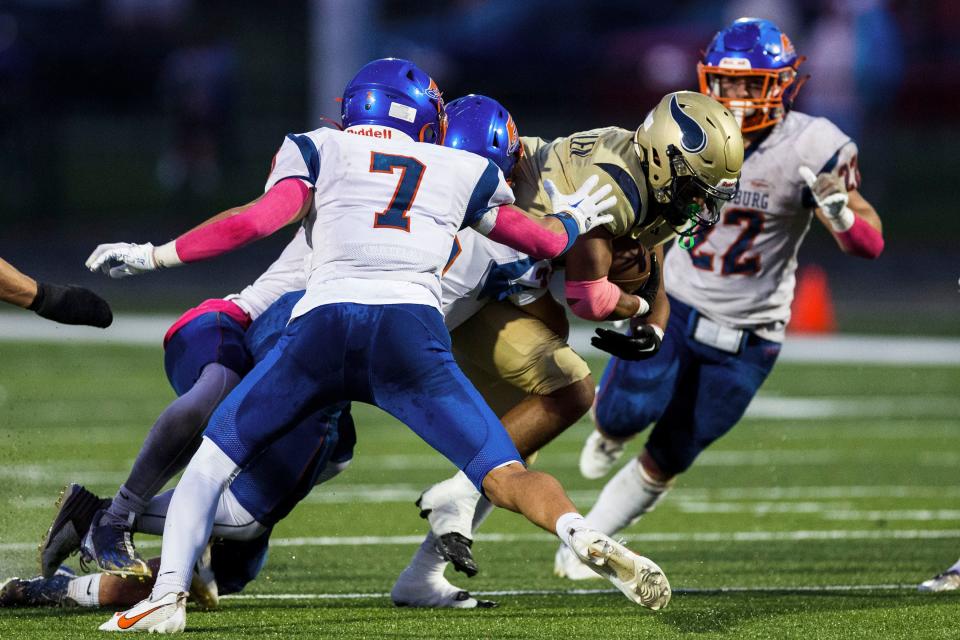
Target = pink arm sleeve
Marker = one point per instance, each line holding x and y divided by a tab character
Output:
275	209
861	239
216	305
514	229
592	299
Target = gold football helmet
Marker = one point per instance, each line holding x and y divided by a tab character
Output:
691	150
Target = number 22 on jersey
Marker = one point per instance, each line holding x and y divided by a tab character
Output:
737	260
411	173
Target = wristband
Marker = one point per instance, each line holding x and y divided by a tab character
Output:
571	227
843	221
166	255
644	307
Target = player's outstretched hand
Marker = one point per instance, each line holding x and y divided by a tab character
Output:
71	304
829	192
583	206
122	259
643	344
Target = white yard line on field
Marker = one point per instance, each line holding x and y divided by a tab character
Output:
830	588
679	537
825	510
690	500
135	329
771	407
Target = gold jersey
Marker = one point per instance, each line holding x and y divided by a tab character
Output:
570	160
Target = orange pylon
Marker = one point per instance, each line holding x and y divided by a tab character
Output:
812	308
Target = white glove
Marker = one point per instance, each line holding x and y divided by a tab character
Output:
133	258
583	206
831	196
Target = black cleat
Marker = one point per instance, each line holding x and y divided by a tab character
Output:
75	510
481	604
456	549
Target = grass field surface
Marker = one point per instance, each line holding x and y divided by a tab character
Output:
815	518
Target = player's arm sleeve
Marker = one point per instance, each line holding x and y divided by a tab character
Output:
490	213
286	200
287	273
589	293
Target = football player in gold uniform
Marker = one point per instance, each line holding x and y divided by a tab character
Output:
670	176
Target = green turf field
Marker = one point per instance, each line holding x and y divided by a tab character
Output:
815	518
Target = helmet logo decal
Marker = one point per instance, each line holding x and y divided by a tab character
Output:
787	46
513	136
693	138
433	91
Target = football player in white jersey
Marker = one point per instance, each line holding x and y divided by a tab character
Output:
381	211
730	293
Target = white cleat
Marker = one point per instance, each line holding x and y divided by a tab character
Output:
639	578
567	565
435	592
167	614
203	586
599	454
947	581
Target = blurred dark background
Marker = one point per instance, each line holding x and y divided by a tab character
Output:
132	120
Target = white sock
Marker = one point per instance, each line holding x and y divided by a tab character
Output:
190	516
627	496
85	590
484	509
955	567
427	561
567	524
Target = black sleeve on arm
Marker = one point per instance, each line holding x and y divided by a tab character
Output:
70	304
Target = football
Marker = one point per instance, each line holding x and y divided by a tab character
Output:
630	268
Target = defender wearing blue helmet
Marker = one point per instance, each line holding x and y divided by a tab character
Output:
481	125
755	55
398	92
730	294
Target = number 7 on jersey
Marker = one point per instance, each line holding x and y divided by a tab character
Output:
411	173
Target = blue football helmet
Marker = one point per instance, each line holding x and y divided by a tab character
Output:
481	125
395	93
757	52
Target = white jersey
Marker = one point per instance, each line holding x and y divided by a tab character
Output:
742	273
385	212
481	271
287	273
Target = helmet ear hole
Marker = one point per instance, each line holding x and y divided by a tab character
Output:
496	139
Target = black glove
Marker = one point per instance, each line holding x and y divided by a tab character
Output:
643	344
651	287
71	304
